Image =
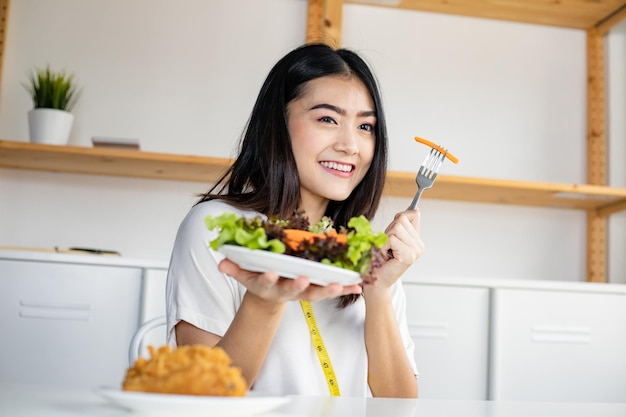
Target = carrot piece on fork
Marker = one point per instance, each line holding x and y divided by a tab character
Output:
439	148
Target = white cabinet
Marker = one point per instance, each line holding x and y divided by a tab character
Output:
69	319
450	328
558	346
66	323
518	340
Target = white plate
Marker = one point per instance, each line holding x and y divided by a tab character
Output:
191	405
288	266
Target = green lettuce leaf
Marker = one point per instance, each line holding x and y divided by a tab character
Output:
240	231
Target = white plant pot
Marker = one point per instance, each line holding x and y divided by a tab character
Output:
50	126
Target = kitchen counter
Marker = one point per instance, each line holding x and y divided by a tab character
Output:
39	401
75	257
519	284
49	255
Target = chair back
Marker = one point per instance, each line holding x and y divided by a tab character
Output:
138	345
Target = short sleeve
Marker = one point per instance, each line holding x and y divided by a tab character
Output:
196	291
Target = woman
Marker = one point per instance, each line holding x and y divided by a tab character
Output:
316	141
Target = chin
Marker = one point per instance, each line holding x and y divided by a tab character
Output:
338	196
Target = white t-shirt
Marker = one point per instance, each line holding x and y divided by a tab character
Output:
201	295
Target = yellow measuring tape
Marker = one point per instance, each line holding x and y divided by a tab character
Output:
318	343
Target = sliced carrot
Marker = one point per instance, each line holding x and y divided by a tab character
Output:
439	148
339	237
293	237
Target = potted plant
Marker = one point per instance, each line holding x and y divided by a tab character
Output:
54	95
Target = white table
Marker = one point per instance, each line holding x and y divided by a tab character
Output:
52	401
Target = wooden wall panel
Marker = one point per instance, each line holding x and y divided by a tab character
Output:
324	22
4	17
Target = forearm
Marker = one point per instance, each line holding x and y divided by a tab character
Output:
247	339
250	335
390	373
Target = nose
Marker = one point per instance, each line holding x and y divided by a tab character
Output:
347	142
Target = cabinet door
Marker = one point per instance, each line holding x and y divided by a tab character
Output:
66	324
558	346
450	328
153	306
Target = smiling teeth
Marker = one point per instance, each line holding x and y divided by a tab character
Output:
338	167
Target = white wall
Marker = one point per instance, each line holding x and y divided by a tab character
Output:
504	97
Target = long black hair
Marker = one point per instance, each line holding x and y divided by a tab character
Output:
264	176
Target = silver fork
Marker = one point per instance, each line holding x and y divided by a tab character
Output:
427	173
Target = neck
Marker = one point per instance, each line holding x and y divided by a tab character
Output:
313	208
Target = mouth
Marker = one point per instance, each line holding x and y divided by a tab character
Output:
337	166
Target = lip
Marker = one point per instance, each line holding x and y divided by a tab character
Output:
330	166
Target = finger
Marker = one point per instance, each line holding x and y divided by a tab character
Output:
336	289
330	291
261	282
405	243
415	218
293	288
352	289
228	267
409	222
409	219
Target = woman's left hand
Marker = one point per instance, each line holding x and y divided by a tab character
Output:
402	249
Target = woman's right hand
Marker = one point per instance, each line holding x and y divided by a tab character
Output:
271	287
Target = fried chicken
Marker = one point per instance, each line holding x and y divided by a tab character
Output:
190	370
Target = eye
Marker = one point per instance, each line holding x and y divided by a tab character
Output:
327	119
367	127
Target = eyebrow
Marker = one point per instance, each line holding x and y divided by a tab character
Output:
341	111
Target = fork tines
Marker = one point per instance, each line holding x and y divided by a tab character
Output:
432	163
427	173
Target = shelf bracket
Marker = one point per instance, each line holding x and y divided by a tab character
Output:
605	25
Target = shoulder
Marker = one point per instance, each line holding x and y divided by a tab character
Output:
193	227
200	211
215	208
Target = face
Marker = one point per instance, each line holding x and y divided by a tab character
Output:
333	139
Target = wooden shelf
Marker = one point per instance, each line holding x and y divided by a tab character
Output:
111	162
607	200
138	164
575	14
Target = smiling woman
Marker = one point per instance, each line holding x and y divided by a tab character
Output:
315	146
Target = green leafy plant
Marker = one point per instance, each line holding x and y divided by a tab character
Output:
52	90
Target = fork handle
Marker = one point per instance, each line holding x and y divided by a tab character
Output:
416	199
